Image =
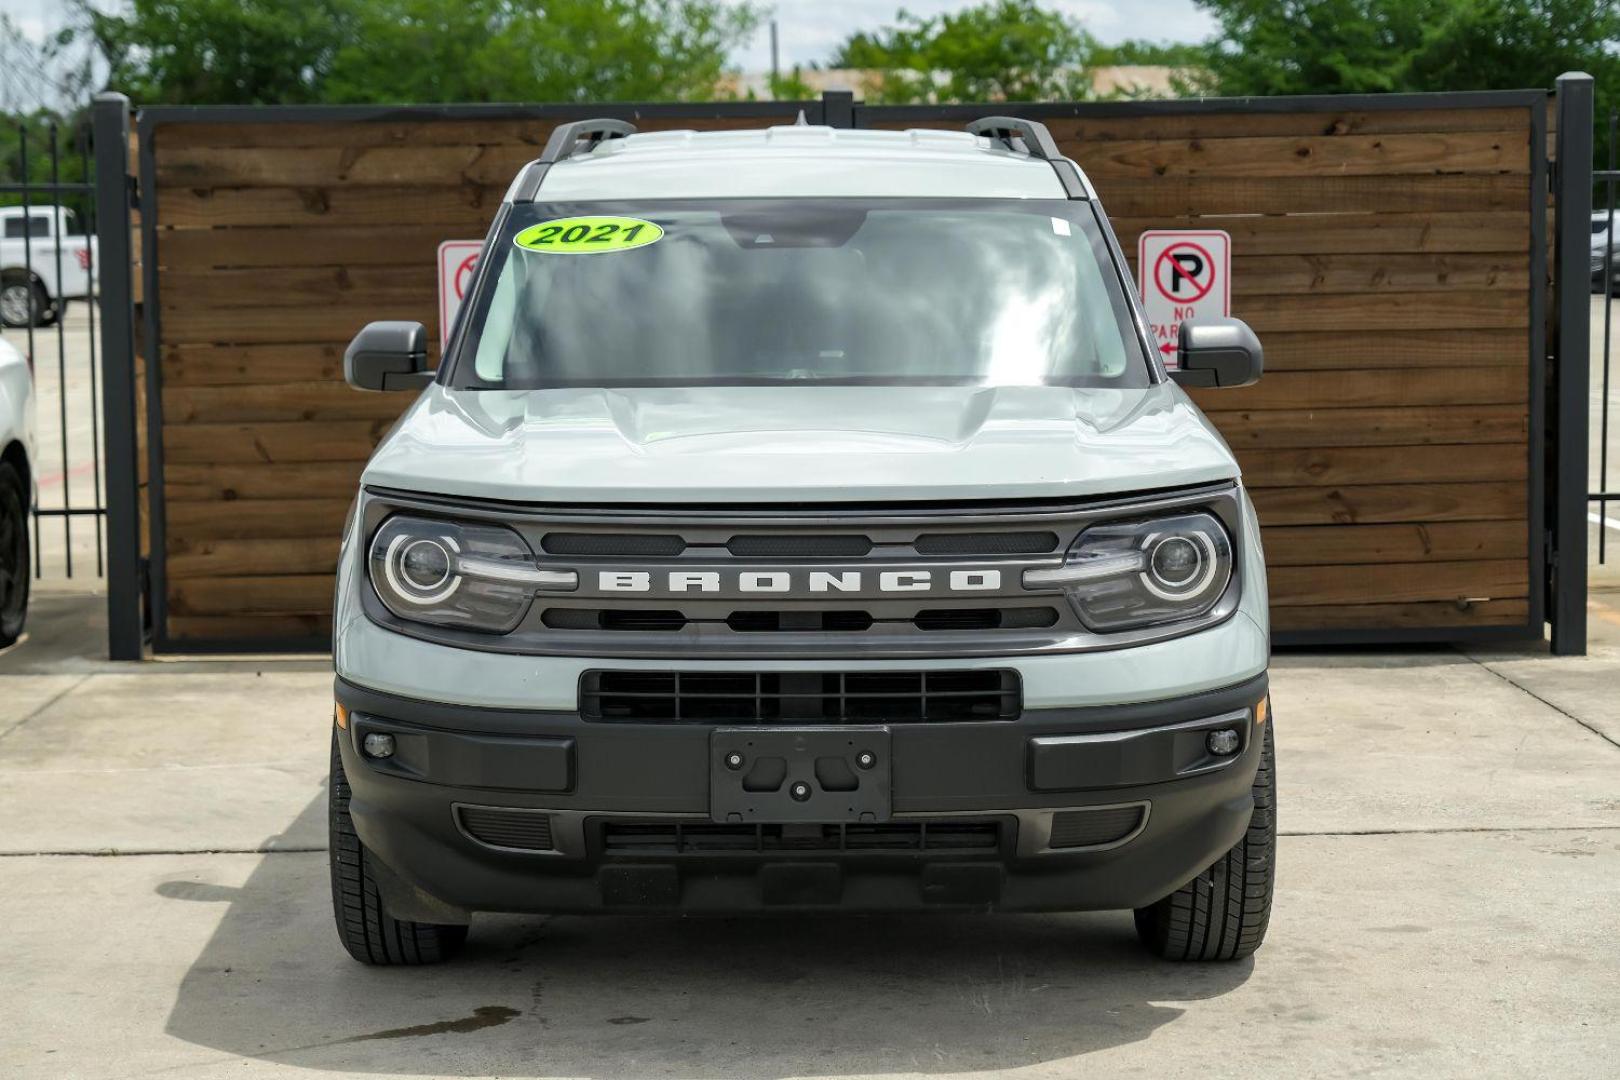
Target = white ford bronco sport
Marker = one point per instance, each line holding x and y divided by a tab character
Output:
801	520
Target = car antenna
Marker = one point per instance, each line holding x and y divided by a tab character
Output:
801	121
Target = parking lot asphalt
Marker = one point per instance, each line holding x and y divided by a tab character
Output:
1448	905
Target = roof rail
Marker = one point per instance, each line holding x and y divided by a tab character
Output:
1032	138
1038	142
565	138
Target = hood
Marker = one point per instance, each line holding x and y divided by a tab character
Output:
798	443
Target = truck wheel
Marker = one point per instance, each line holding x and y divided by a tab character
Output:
371	935
1222	913
14	554
24	302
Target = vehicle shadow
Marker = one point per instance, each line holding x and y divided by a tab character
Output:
638	996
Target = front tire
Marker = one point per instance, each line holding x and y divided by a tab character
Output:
1222	913
24	302
14	554
371	935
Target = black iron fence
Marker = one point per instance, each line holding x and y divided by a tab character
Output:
1604	269
48	311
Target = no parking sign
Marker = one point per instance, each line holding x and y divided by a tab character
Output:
1181	274
457	261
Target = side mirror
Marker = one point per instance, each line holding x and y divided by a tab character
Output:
1218	352
388	356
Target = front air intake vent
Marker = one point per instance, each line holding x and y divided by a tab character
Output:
520	830
1095	828
779	547
991	543
800	697
610	544
671	838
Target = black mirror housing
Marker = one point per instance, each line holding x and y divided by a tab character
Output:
388	356
1218	352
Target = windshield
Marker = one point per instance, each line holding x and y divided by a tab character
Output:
835	291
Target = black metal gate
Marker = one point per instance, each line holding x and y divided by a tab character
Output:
1604	269
1556	426
48	312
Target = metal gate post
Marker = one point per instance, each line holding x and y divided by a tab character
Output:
113	197
1572	364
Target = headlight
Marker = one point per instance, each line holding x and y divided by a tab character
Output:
1127	574
477	577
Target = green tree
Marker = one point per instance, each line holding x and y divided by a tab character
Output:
1002	50
1362	46
203	52
220	52
538	50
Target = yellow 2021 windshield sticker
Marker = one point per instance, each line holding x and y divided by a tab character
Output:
588	235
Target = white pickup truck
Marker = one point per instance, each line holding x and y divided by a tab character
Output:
45	261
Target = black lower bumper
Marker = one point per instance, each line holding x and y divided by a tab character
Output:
1065	809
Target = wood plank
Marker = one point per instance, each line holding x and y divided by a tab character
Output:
1337	273
1422	154
1305	351
297	441
283	594
257	519
306	245
1398	583
1381	503
468	209
287	401
306	323
1420	616
405	130
1332	390
409	283
1168	196
1310	233
236	365
272	628
1333	545
1475	309
1252	123
235	558
1306	427
281	480
348	166
1329	466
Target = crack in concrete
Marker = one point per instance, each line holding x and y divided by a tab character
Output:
58	696
1531	693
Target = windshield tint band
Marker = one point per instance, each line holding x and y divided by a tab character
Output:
746	292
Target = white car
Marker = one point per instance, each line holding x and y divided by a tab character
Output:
45	261
16	488
801	519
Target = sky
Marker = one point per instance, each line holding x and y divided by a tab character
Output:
810	29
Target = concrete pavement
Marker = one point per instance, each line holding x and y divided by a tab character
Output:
1448	905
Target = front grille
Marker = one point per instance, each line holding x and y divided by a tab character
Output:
608	544
1094	828
800	620
766	622
992	543
526	830
800	697
775	547
671	838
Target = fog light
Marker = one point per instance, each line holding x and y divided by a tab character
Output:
1222	743
381	746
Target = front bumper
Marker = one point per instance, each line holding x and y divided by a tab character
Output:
995	814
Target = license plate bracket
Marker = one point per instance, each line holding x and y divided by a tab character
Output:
801	774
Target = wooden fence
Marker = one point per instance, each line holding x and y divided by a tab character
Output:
1390	252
